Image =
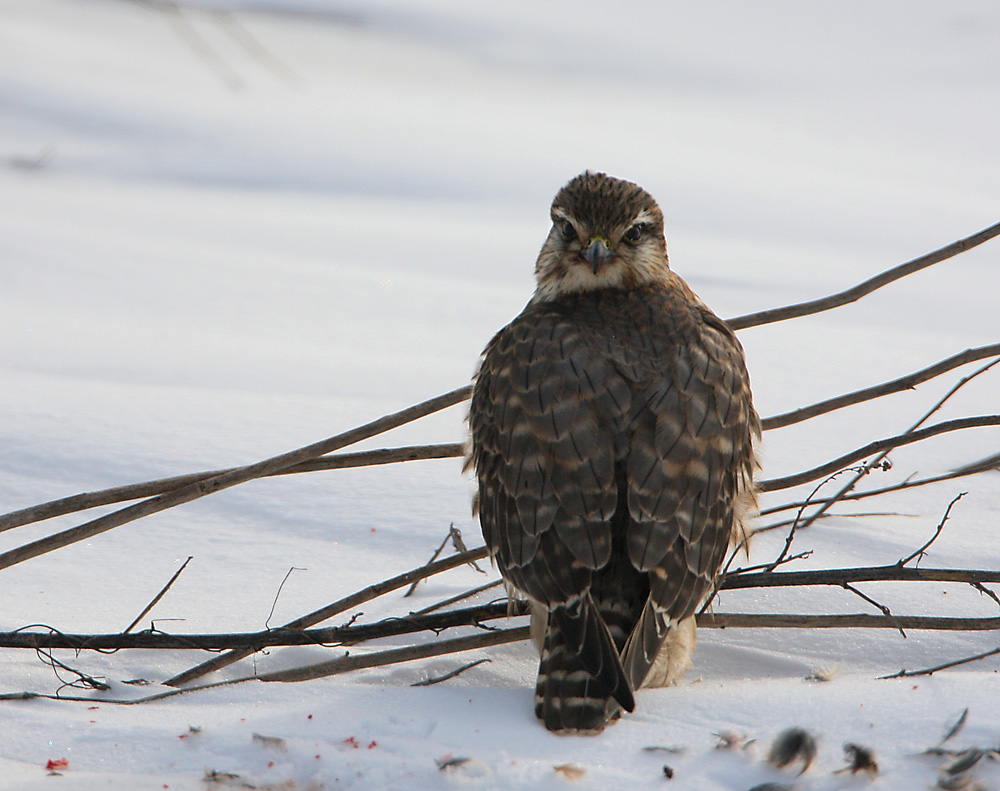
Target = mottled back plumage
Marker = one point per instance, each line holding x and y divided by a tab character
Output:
612	436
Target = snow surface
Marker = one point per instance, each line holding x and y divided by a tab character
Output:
230	229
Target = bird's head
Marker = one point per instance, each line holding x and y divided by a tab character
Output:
606	233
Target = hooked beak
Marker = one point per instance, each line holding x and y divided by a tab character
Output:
598	252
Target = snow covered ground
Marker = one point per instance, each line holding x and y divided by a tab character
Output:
230	228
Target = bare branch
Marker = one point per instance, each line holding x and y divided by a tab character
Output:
892	573
81	681
392	656
342	664
225	480
456	672
337	607
118	494
877	605
434	556
254	641
158	596
984	591
471	616
920	552
796	522
117	701
459	597
907	382
370	458
880	459
866	287
889	443
135	491
909	483
277	595
850	621
929	671
857	515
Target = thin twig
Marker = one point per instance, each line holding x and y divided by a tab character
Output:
797	521
928	671
860	515
877	605
866	287
746	571
889	443
434	556
984	591
456	672
83	680
216	483
920	552
370	458
459	597
277	595
158	596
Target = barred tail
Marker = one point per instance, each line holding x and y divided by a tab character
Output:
581	683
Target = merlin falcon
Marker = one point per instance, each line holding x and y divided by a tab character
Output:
612	435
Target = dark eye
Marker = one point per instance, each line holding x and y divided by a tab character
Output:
568	231
634	233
